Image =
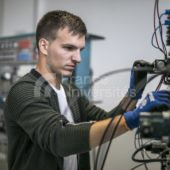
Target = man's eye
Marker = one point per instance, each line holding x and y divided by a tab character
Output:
69	48
81	49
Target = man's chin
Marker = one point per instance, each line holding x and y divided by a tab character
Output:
67	74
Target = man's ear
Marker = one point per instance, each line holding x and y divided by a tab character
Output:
43	46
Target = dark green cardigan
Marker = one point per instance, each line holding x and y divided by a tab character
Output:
38	135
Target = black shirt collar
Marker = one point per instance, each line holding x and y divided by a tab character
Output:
37	75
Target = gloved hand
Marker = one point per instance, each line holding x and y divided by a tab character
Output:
154	100
138	80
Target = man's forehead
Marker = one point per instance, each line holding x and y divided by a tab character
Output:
67	37
67	32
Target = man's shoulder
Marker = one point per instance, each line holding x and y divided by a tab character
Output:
24	83
27	78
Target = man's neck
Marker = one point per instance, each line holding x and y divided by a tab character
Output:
52	78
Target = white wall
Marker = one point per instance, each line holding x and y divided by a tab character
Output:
1	15
127	26
17	17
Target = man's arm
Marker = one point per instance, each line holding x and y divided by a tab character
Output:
97	130
130	119
127	103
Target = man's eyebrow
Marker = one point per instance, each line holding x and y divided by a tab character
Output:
72	46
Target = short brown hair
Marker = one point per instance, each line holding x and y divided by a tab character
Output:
52	21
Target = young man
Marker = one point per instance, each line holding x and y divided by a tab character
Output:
48	126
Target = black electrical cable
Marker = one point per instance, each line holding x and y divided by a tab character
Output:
163	51
142	152
136	138
149	146
156	7
110	141
103	76
160	25
160	83
114	131
118	110
161	33
152	39
145	150
137	166
146	160
140	141
154	22
102	140
156	13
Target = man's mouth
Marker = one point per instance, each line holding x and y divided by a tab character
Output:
70	67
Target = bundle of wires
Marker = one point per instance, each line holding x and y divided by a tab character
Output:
104	149
149	146
102	154
162	47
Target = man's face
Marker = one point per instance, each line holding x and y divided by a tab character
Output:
64	52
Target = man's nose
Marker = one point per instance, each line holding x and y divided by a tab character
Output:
77	56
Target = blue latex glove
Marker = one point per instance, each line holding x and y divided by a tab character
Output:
154	100
138	80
